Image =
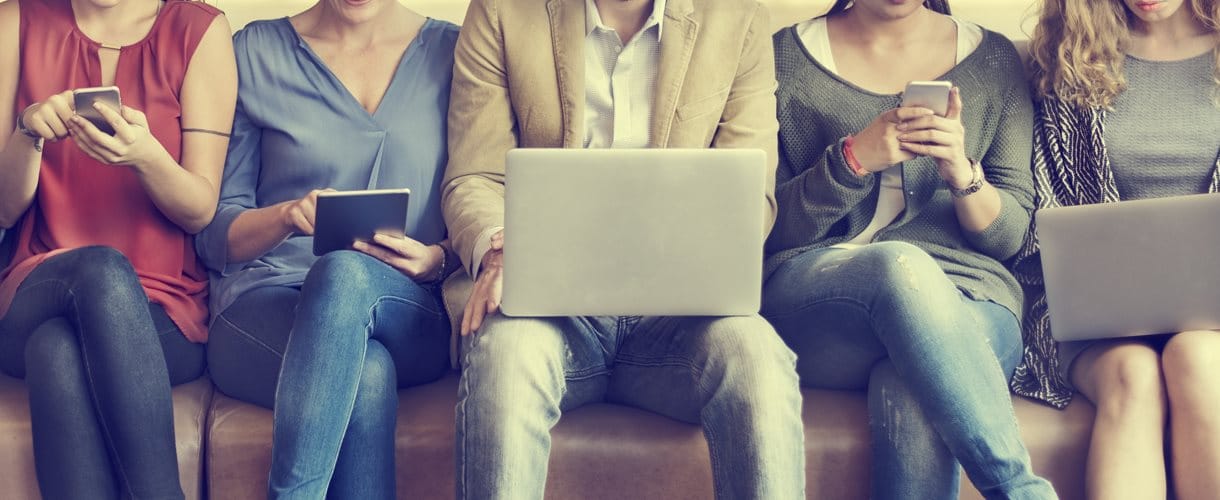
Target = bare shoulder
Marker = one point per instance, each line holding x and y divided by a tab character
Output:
10	15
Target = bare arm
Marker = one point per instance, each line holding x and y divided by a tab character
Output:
19	160
187	194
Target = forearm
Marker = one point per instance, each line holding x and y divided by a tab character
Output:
185	198
978	211
257	231
19	165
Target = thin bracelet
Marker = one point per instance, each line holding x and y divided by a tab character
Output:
206	131
38	140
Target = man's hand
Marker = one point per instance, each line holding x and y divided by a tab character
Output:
485	298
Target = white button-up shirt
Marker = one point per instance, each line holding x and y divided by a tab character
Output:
620	85
620	80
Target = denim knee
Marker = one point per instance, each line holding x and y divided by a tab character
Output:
903	272
342	274
751	357
103	271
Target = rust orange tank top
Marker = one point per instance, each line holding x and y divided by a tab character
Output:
80	202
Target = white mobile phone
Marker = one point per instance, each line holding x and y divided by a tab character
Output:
84	99
931	95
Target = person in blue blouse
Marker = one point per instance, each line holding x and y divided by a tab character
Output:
343	96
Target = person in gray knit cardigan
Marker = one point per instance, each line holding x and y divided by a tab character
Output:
1127	109
884	270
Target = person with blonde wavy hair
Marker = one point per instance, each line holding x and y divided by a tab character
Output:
1127	108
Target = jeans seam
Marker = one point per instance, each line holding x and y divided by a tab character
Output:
125	482
404	301
248	336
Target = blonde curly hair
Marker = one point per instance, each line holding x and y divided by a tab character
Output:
1077	50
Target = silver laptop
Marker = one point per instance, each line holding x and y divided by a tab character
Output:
601	232
1132	268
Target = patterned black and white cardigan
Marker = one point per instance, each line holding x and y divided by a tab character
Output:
1071	167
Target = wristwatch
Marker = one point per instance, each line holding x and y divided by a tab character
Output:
976	182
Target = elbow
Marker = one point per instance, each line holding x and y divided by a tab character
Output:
197	223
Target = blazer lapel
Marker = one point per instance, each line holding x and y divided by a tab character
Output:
567	40
677	43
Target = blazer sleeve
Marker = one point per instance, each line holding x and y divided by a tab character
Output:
482	129
748	120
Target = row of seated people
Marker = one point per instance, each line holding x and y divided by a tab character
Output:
898	243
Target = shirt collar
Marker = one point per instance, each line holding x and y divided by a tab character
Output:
593	18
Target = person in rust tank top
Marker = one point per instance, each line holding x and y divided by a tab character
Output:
103	305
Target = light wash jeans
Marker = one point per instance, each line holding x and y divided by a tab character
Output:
355	332
885	317
732	375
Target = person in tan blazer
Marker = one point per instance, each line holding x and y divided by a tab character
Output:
611	73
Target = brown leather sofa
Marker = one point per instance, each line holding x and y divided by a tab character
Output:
600	451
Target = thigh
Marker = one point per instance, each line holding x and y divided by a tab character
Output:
49	292
508	355
246	343
672	365
816	303
184	359
1001	328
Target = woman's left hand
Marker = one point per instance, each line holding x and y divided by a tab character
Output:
942	138
414	259
132	143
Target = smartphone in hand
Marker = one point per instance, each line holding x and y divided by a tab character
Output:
931	95
84	99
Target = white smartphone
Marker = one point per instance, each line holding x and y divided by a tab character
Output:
84	99
931	95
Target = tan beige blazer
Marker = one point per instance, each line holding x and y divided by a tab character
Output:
518	81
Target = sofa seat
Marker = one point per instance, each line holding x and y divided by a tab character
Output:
606	451
17	479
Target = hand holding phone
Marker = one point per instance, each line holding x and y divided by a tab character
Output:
84	99
931	95
939	136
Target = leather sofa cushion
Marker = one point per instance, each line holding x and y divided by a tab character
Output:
611	452
17	479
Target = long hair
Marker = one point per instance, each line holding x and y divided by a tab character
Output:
941	6
1077	51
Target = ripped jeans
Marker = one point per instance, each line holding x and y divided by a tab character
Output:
885	317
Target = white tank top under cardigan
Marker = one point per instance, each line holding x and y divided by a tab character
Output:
816	38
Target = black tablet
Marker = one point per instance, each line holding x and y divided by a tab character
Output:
343	217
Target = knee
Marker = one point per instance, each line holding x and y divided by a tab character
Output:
744	353
901	268
52	349
102	269
1191	362
1130	380
345	271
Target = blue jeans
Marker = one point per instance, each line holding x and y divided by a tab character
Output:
732	375
99	361
886	318
360	330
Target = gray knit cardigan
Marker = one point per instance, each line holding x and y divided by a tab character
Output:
1071	167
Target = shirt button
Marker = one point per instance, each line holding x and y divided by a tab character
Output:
910	193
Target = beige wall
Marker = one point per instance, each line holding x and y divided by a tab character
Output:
1014	18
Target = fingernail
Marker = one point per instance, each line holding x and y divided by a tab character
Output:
902	126
902	137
